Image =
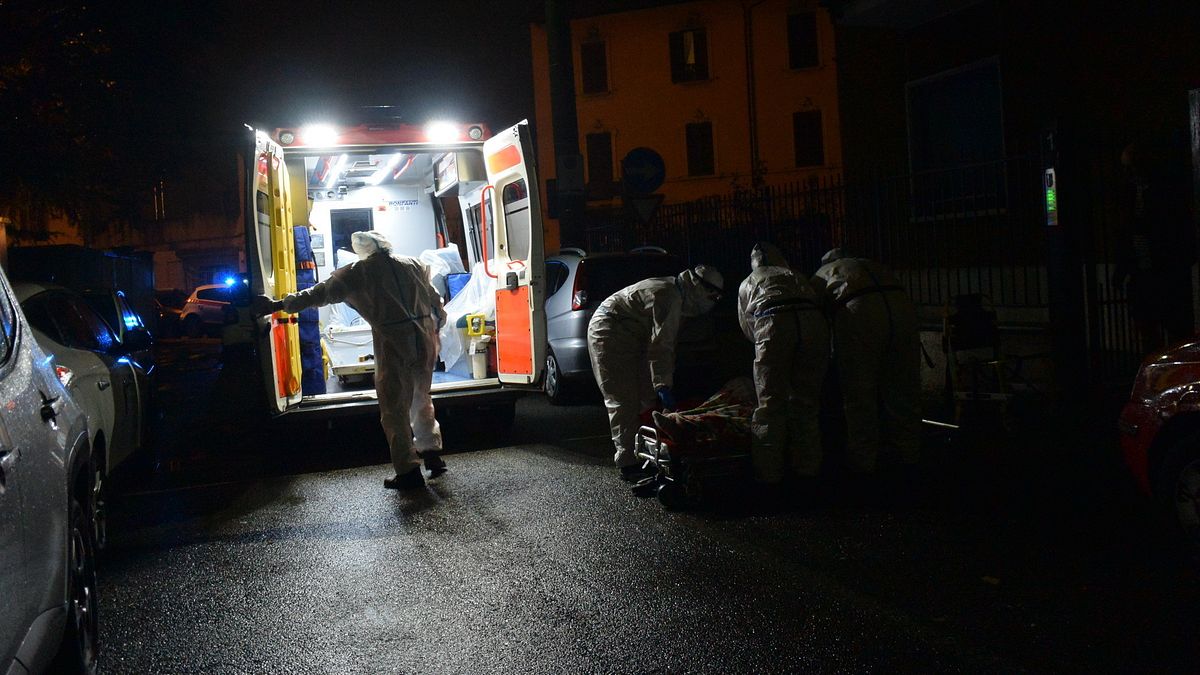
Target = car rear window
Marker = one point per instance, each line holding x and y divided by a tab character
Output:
218	294
607	275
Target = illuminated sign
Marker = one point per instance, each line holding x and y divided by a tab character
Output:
1051	199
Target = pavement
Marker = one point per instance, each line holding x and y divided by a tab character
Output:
275	549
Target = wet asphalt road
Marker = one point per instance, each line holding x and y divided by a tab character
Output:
256	548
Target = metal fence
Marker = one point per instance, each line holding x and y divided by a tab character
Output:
972	229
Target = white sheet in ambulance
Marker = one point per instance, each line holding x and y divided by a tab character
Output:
442	261
477	297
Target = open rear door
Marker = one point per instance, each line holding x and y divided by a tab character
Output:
519	260
271	261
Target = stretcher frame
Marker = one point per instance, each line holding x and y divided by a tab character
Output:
680	480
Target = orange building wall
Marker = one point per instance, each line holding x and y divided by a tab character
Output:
644	108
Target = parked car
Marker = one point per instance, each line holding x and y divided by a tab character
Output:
204	311
169	305
113	389
48	616
1160	436
576	283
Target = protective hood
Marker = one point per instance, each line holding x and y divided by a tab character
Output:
702	286
832	255
366	244
765	254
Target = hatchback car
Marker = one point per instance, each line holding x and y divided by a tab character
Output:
204	311
48	616
576	283
113	389
1160	435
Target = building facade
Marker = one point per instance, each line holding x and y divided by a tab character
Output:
729	94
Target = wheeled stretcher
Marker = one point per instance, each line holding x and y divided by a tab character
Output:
691	451
684	473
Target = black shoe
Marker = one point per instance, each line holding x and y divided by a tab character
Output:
434	463
412	480
634	473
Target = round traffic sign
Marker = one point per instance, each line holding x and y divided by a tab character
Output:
643	171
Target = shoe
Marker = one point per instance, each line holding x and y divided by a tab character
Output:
434	463
412	480
635	472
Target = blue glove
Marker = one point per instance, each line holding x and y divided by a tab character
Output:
666	398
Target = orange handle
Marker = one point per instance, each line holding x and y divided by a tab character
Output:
483	225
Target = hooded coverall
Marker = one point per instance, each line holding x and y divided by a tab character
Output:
876	347
631	341
778	312
394	295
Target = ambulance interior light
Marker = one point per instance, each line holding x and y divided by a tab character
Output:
441	132
318	135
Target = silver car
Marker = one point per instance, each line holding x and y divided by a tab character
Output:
576	283
47	526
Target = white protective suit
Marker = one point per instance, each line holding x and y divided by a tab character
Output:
778	312
876	346
394	295
631	341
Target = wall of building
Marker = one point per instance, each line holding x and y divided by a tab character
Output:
643	108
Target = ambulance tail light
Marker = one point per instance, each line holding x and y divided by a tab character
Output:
579	294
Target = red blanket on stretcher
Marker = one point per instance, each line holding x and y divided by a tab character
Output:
718	426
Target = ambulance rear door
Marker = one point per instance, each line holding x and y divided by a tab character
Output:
518	263
271	263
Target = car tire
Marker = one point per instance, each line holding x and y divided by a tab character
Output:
553	384
1177	491
192	326
80	648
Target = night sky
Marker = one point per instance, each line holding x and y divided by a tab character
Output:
277	62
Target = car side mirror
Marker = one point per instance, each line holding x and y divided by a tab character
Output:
137	339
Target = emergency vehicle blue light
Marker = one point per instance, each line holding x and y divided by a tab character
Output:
131	322
229	281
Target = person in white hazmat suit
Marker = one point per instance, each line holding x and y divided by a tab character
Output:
877	351
631	341
778	312
394	295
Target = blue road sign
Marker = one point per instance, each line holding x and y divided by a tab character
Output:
643	171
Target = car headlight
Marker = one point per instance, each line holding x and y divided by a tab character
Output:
1156	378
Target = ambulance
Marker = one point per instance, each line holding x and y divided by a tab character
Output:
458	197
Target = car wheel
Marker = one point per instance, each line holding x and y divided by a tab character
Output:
553	383
80	648
192	326
1177	490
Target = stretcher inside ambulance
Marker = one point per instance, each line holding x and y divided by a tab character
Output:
461	200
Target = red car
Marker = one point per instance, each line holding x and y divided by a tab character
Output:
1160	434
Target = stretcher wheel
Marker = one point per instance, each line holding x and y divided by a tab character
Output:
671	496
